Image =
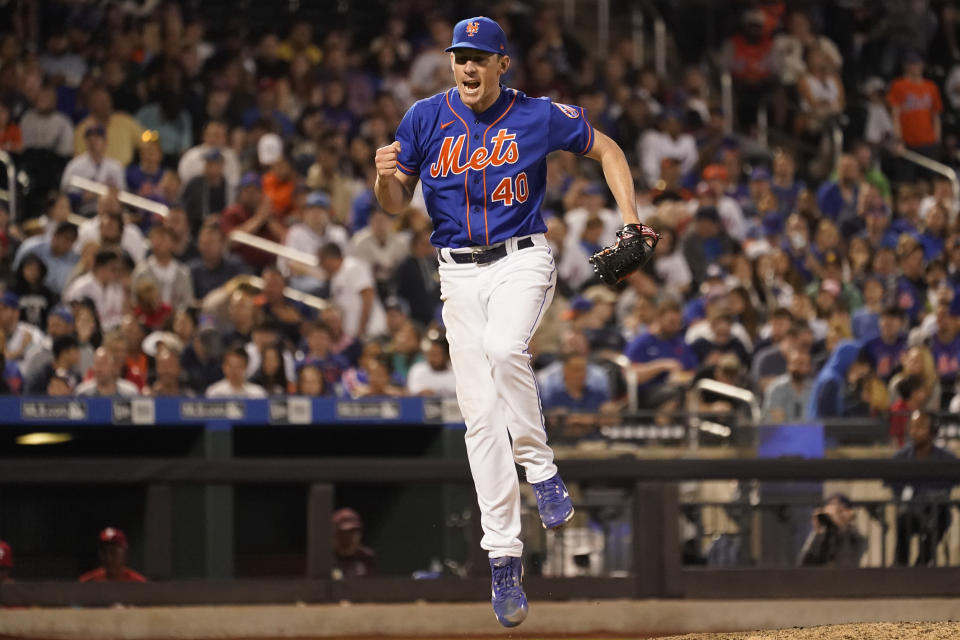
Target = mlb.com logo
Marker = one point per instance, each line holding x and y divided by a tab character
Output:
472	28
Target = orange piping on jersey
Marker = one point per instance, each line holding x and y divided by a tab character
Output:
589	132
465	173
404	168
485	229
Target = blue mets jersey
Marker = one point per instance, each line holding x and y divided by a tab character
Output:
484	174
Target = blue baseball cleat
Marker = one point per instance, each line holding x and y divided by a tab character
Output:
553	501
509	600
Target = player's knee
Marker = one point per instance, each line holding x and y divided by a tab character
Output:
501	350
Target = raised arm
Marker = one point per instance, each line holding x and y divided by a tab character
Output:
393	188
617	173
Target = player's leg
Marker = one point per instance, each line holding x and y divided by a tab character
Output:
487	439
523	289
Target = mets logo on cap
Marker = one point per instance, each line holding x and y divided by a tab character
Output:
472	28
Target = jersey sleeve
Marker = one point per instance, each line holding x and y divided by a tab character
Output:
569	129
408	135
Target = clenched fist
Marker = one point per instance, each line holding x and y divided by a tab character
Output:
386	159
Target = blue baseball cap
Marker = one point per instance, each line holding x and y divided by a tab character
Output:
10	299
63	312
250	179
318	199
479	33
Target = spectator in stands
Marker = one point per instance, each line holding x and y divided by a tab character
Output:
837	199
748	55
309	237
149	309
352	290
46	129
922	505
137	366
884	351
234	383
173	278
378	382
144	177
417	281
36	299
19	336
834	540
57	255
945	345
663	362
65	363
112	550
170	379
60	322
318	354
791	46
122	132
706	243
193	161
201	359
912	284
242	317
721	340
865	321
253	213
670	141
310	381
6	562
786	398
279	182
574	268
213	268
380	245
102	286
829	387
916	106
822	99
92	164
110	231
171	121
918	363
433	376
350	558
106	380
271	375
208	193
575	395
11	139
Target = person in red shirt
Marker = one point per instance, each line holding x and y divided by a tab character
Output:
916	106
10	137
253	213
748	55
6	562
112	548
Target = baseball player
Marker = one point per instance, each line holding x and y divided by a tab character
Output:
479	149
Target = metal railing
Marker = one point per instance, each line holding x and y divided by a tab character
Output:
931	165
645	511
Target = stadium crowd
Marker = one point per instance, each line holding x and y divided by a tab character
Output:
827	290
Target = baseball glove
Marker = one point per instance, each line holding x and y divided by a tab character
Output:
633	249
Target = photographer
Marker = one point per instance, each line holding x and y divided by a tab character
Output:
834	541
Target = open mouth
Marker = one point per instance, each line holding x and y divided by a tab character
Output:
471	86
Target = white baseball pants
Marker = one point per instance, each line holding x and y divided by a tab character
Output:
491	311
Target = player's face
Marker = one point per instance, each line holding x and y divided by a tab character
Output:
477	74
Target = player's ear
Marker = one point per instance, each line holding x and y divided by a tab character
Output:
504	64
453	62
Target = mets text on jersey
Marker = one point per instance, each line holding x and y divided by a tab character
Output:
452	150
